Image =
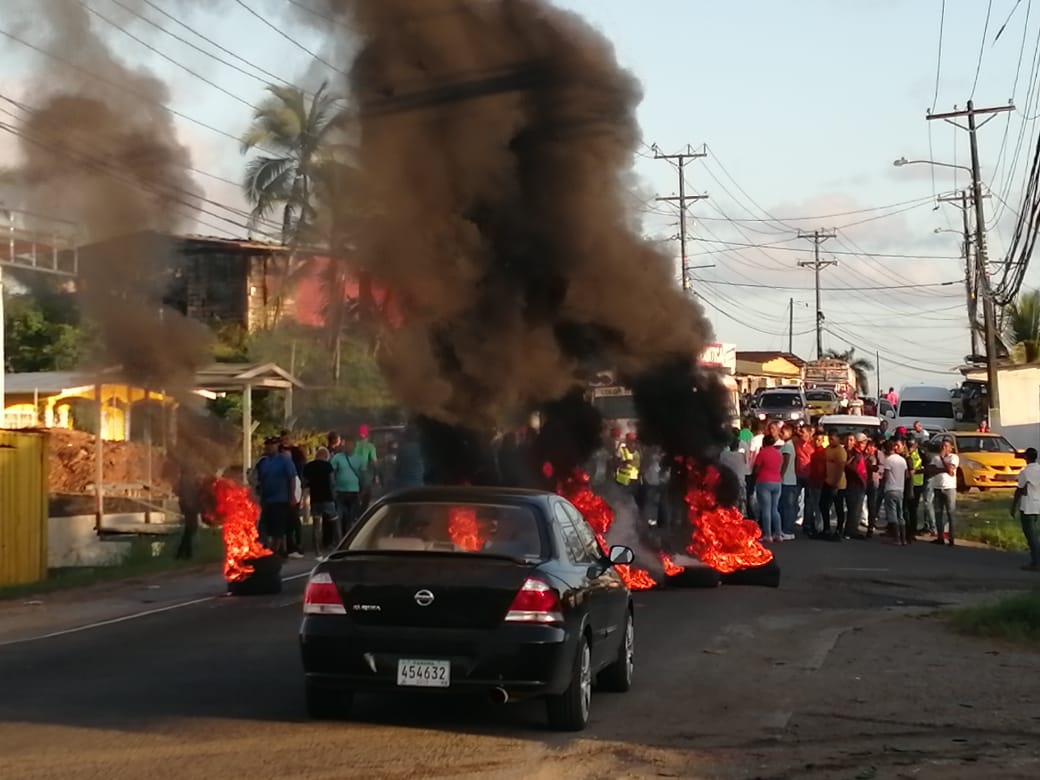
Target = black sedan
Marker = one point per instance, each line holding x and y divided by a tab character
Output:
494	591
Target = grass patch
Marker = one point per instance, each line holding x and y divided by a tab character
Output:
1015	618
144	560
984	517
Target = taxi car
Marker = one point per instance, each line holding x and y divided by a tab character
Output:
822	401
987	460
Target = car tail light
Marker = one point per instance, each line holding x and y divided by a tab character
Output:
535	602
321	597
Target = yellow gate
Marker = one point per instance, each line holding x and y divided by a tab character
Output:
23	506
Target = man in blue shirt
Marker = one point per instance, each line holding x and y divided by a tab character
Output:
276	484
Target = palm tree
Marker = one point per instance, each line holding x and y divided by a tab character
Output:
1023	323
861	366
296	128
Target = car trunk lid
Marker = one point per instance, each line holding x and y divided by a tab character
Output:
427	589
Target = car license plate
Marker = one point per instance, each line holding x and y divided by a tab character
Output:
1007	477
423	674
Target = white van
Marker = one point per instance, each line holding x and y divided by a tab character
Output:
929	404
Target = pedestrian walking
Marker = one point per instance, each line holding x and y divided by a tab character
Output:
365	451
1027	504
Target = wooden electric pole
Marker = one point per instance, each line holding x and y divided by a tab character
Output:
817	237
989	317
681	199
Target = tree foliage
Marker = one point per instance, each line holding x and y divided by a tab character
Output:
1024	326
43	332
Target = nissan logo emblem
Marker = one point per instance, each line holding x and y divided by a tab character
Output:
423	598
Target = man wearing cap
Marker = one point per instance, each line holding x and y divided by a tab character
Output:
1027	504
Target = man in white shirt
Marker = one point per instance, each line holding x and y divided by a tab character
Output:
1027	502
893	484
944	488
789	484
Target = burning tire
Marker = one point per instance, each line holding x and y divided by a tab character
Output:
767	575
696	577
265	580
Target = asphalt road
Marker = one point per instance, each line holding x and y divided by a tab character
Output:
213	689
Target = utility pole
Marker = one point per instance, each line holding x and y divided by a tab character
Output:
681	199
817	237
971	272
989	316
877	365
790	327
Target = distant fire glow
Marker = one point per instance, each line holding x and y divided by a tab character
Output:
237	513
464	528
722	537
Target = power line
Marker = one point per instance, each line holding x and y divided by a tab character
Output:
982	48
938	59
289	38
774	246
682	199
886	288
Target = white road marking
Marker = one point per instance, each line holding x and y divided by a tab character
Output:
125	618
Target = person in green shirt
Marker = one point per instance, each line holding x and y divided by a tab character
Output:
347	471
365	450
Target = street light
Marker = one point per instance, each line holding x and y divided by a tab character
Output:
903	161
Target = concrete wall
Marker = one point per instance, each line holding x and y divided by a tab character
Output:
72	541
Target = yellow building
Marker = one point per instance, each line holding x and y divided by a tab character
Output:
767	369
69	399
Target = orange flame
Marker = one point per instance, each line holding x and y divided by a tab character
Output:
237	512
600	516
464	529
671	568
722	537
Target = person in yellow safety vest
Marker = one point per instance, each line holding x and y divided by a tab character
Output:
912	496
628	469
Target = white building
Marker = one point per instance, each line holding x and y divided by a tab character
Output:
1019	389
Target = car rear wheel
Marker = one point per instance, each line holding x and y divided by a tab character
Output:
618	676
327	703
962	486
569	711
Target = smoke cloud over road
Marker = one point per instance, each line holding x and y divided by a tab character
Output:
496	144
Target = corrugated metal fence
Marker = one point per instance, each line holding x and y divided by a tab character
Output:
23	506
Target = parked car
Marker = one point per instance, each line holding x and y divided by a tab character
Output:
822	401
782	405
502	592
987	460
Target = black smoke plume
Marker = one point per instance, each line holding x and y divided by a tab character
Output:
496	142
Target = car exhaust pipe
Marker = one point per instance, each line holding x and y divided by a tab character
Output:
499	696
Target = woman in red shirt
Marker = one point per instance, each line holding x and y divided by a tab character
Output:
767	489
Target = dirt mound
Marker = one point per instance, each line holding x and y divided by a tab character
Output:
71	464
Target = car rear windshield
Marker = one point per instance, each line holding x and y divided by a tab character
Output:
984	444
446	527
780	400
820	395
939	409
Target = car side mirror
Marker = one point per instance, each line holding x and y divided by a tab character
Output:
621	555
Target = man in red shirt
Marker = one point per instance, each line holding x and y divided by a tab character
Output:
812	525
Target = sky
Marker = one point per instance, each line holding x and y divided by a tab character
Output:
801	107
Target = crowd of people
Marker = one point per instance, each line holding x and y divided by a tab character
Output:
839	487
332	489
